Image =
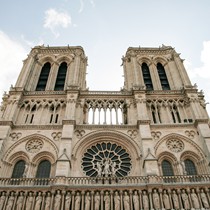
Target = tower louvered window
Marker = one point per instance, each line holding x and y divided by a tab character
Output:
41	85
146	76
61	77
163	77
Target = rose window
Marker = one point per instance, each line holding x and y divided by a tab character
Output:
175	145
34	145
106	160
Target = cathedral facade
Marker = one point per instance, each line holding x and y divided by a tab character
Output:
64	147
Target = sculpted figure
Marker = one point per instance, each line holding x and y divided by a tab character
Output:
116	201
195	201
67	201
185	200
99	169
107	201
47	201
25	171
10	202
38	201
106	168
29	202
183	167
204	199
145	201
175	200
19	203
156	200
113	168
166	201
57	201
77	201
87	201
126	201
136	201
97	201
2	200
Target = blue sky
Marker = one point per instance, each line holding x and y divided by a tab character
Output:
105	29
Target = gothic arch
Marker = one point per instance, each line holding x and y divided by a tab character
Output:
98	136
46	59
10	151
144	59
45	155
162	60
184	139
18	156
64	58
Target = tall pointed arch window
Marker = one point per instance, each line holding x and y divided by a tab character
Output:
18	170
146	76
43	170
42	82
167	168
190	167
61	77
163	77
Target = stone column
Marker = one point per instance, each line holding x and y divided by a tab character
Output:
14	204
170	200
52	199
190	200
199	197
180	200
72	198
131	200
140	200
150	199
62	199
161	198
121	199
83	199
111	199
43	200
102	199
92	200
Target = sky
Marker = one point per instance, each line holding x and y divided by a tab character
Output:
105	29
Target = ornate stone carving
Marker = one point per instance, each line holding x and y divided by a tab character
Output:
190	133
132	133
175	145
156	135
106	159
56	136
79	133
15	136
34	146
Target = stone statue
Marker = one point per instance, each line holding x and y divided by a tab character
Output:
10	202
2	200
19	203
87	201
126	201
38	201
77	201
107	201
166	201
145	201
156	199
67	201
116	201
204	199
183	167
47	201
106	171
113	168
195	202
136	201
175	200
97	201
99	169
25	171
57	201
29	202
185	200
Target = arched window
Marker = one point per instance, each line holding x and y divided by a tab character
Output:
146	76
167	168
41	85
190	167
43	170
163	77
19	169
61	77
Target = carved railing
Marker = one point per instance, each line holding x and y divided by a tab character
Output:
128	181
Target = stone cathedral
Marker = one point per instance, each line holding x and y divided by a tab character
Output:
65	147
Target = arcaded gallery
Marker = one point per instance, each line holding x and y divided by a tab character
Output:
65	147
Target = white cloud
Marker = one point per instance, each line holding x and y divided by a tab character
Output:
11	56
55	19
82	4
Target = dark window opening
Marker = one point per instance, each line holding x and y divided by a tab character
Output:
167	168
43	170
42	82
18	170
146	76
190	167
61	77
163	77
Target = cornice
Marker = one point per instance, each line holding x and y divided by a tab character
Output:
106	93
6	123
93	127
174	125
48	92
37	127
